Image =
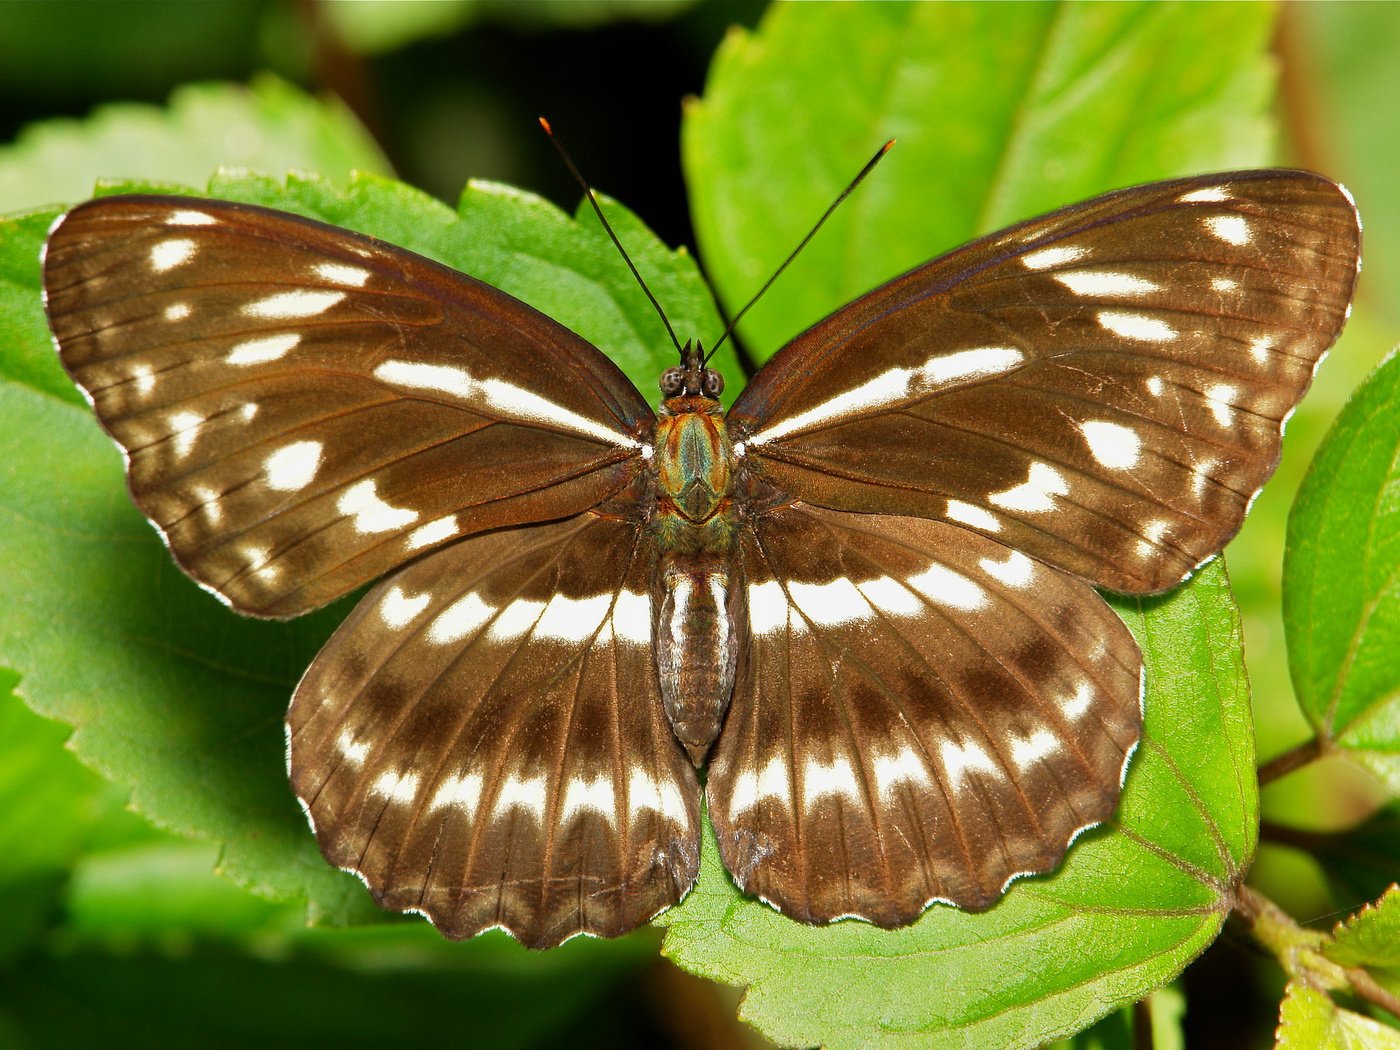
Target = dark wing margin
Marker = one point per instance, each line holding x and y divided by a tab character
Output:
302	408
924	715
483	741
1103	388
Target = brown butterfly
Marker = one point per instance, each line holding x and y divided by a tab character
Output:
863	599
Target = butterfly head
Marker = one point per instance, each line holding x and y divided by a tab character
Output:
691	378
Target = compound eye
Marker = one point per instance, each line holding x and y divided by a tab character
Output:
672	380
713	383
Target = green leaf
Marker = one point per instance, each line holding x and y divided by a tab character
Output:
1310	1020
49	807
55	52
1133	903
165	888
369	26
1342	581
1360	862
269	126
1122	1029
376	989
1370	939
169	692
1347	68
1000	112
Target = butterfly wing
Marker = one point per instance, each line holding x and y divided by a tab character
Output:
925	713
1102	388
302	408
483	739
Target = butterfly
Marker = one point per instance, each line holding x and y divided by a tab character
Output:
862	601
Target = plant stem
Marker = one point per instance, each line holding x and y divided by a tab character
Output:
1366	987
1299	952
1294	758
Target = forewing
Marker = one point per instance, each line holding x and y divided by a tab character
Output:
483	739
1103	388
303	408
924	714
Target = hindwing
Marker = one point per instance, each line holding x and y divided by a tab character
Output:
483	739
925	713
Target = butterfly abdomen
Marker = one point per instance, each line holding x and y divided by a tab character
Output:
696	592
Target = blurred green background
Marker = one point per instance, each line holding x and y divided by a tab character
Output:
113	931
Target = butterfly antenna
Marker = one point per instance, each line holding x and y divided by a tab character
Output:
588	192
869	167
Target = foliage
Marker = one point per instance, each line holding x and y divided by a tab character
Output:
1000	113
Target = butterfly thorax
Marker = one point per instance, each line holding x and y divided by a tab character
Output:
696	597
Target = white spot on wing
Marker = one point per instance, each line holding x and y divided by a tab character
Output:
144	377
820	779
1112	444
1220	399
1225	285
519	793
206	498
184	428
897	385
1046	258
971	514
396	787
172	253
946	587
459	619
1106	282
644	793
361	501
768	608
1154	386
516	619
340	273
834	602
434	532
959	760
177	311
890	596
351	749
1233	229
293	466
399	609
283	306
1036	494
1207	195
1026	752
573	619
1136	326
1016	571
262	349
1152	534
596	795
752	787
461	792
511	401
1260	346
1203	473
1077	703
631	618
189	217
904	767
255	557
